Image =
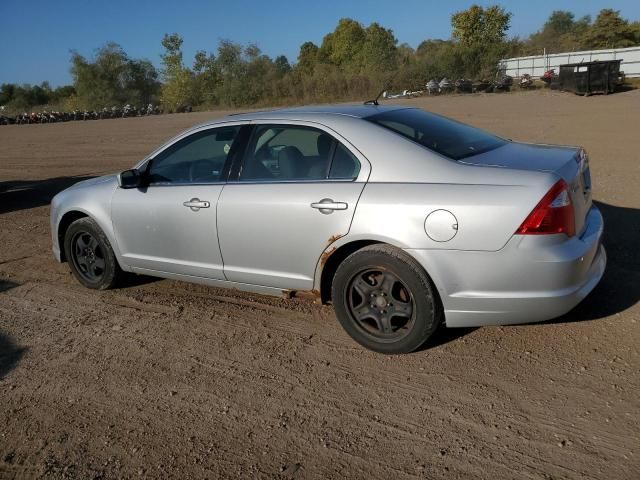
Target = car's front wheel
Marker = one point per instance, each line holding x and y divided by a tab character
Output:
385	300
90	255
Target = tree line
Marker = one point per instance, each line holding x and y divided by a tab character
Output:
352	62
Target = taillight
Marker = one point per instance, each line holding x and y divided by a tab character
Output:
554	214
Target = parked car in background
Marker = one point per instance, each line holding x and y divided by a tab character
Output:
402	219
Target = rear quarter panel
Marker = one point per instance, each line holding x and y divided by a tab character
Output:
487	214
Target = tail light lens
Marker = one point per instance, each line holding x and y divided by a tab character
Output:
554	214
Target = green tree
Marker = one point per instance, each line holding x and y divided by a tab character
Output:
142	83
112	78
635	28
7	92
281	64
609	30
177	90
478	26
307	58
101	82
560	33
206	77
232	66
379	52
559	22
343	46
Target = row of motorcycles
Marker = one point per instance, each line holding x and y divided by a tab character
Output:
462	85
502	83
55	116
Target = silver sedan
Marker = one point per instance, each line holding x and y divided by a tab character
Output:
402	219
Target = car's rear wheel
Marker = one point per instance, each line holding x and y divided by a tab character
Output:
385	300
90	255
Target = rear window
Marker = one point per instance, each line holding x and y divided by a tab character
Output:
447	137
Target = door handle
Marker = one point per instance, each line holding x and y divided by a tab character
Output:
196	204
327	205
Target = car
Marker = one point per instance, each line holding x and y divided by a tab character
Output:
402	219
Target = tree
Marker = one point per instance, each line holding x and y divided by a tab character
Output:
233	72
281	64
142	83
560	33
230	58
635	28
172	58
7	92
177	90
478	26
609	30
379	52
111	78
206	77
559	22
307	58
343	46
100	82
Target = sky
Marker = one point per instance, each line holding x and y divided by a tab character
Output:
37	35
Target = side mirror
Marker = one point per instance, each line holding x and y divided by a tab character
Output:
130	179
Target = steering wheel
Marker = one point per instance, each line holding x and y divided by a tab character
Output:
202	170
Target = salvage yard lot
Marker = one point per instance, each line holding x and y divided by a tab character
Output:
173	380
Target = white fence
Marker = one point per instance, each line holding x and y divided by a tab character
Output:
537	65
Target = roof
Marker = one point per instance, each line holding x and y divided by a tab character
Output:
356	111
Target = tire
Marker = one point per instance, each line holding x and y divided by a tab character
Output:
405	309
90	255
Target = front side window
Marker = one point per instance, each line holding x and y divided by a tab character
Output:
447	137
287	152
198	158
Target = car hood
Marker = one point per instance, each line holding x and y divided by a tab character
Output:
526	156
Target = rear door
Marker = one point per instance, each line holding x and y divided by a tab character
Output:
295	189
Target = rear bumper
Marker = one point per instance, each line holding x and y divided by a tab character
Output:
532	279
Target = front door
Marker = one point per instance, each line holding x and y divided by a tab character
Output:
297	189
170	224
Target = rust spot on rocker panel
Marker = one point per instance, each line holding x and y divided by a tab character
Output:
310	295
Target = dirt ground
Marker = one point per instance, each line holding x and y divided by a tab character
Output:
161	379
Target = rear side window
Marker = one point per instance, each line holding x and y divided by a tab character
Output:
447	137
344	164
291	152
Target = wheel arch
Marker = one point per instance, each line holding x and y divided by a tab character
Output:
335	254
331	258
63	225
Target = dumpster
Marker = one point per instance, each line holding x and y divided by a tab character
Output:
586	78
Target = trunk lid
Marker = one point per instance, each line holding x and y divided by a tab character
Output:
569	163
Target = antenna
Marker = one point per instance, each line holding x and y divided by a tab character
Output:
375	100
387	84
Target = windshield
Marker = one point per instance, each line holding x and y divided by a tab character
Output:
447	137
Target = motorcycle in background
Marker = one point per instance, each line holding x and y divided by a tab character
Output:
445	85
463	85
479	86
548	77
526	81
502	83
432	87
